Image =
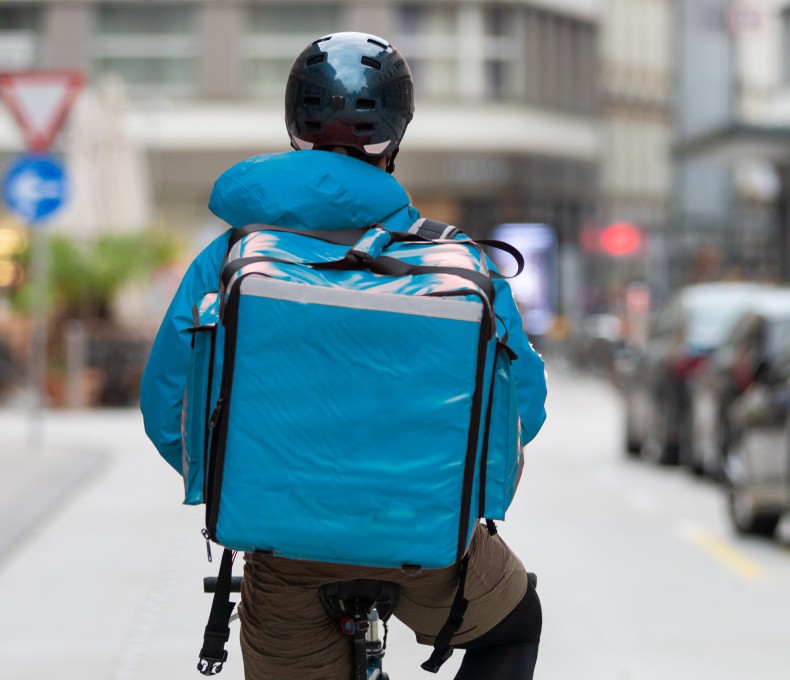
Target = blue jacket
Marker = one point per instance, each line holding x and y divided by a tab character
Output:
301	190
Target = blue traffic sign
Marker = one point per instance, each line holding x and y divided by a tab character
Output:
35	186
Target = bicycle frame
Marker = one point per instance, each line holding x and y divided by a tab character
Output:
358	606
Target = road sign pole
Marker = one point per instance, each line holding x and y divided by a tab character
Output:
39	334
35	187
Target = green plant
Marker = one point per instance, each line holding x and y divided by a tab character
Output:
85	275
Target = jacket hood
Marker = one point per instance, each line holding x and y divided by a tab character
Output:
310	190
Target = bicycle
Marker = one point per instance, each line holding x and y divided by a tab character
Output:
358	606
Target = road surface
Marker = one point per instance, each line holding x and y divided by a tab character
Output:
640	575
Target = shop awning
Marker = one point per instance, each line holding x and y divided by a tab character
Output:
738	141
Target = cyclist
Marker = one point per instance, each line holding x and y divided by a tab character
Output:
349	99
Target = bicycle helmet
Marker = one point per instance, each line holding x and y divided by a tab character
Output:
350	90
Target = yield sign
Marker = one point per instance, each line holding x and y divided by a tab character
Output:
40	102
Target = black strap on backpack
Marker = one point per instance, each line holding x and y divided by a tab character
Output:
340	237
422	230
381	264
441	646
432	230
213	654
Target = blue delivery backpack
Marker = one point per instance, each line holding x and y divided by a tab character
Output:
350	398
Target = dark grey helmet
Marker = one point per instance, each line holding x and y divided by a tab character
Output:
351	90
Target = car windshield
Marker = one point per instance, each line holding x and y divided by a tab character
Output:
711	320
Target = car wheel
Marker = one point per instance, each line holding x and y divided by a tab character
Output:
686	453
697	468
659	447
693	452
746	519
748	522
633	445
716	467
633	442
698	465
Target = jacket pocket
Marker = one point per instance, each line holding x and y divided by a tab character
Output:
504	459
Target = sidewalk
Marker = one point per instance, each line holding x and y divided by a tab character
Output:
100	565
45	459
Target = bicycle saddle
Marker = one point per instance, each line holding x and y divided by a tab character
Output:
359	597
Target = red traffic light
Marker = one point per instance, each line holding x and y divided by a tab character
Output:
620	239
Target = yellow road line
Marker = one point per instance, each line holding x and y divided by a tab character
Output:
725	553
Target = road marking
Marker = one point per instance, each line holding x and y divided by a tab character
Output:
723	551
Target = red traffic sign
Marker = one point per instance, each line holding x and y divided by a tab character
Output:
39	101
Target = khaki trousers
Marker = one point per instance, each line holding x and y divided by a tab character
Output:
286	635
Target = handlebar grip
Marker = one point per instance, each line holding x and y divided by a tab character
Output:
210	584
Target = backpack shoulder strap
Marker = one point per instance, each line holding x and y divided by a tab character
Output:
433	229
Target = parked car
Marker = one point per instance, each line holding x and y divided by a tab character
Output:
752	345
757	461
681	337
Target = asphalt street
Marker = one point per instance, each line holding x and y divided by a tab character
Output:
640	576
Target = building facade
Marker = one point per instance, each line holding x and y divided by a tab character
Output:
732	139
506	120
636	82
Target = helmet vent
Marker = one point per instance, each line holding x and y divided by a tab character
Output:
316	59
364	128
312	100
312	125
365	104
378	44
373	63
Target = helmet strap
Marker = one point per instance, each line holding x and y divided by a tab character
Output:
391	164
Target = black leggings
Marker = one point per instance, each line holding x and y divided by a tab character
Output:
510	649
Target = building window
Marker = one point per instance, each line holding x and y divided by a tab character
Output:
275	34
786	46
501	53
428	36
460	51
20	27
153	47
560	61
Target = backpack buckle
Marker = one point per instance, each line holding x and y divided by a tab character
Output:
210	666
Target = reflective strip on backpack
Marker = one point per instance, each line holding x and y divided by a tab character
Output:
434	307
